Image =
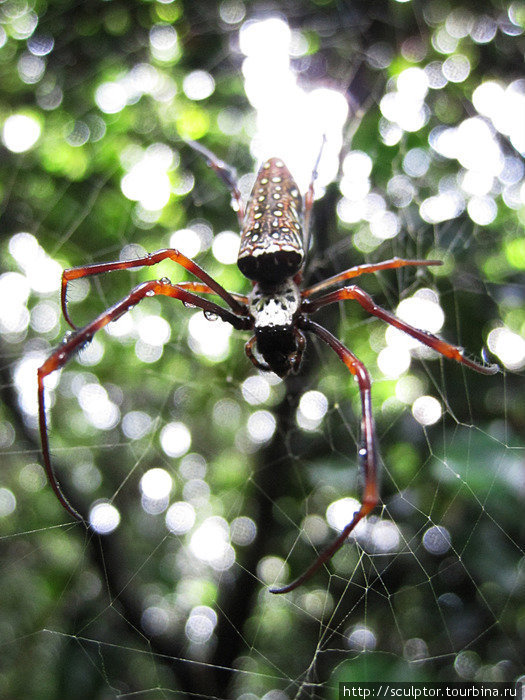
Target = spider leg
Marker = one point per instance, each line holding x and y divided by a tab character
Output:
362	269
309	200
200	288
147	260
432	341
300	340
225	172
248	349
367	453
76	340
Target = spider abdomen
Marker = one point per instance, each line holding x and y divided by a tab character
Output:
271	248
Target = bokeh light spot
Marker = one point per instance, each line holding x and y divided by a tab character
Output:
255	389
340	513
20	133
436	540
225	247
111	98
175	439
426	410
243	531
261	426
180	517
104	518
156	483
198	85
209	336
508	346
7	502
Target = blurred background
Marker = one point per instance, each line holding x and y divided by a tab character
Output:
206	481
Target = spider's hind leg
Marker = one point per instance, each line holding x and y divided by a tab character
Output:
367	452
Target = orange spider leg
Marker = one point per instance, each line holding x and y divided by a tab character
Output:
147	260
200	288
248	349
364	269
365	300
75	341
367	453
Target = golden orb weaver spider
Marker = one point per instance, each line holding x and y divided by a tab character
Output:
274	235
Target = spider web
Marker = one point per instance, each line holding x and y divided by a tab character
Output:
197	452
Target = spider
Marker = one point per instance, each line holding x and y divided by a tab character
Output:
274	240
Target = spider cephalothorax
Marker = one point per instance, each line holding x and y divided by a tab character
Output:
277	311
274	312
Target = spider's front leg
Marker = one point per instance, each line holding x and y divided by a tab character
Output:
367	452
366	268
248	349
146	261
200	288
76	340
300	343
432	341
